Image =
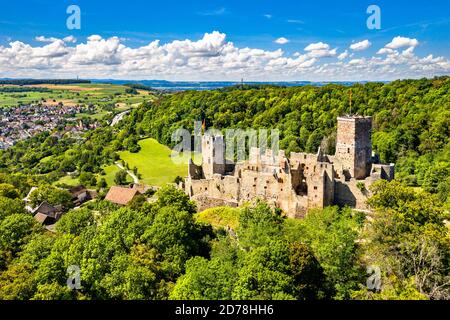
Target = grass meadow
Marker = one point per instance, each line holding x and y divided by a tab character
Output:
154	163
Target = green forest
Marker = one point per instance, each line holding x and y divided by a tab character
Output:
164	250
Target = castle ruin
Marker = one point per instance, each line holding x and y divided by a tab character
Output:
294	184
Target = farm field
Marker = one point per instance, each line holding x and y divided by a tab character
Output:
72	94
154	163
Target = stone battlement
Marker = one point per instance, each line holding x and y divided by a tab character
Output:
294	184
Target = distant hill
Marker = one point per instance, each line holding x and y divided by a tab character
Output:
25	82
210	85
177	85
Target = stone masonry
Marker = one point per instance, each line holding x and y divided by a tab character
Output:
294	184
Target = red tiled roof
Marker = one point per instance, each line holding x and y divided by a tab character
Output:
120	195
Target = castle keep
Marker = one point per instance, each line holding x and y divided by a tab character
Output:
294	184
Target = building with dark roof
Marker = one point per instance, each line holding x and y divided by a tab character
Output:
47	214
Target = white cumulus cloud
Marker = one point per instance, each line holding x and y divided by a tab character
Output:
69	39
399	42
211	57
343	55
45	39
282	40
320	50
317	46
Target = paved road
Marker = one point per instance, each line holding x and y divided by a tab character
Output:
119	117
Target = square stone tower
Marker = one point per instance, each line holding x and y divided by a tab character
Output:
213	155
354	145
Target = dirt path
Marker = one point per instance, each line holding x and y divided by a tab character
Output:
130	173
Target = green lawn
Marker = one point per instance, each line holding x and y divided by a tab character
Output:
110	172
154	163
68	180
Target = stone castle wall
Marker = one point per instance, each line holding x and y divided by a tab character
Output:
294	184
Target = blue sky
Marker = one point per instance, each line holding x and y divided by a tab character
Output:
255	24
